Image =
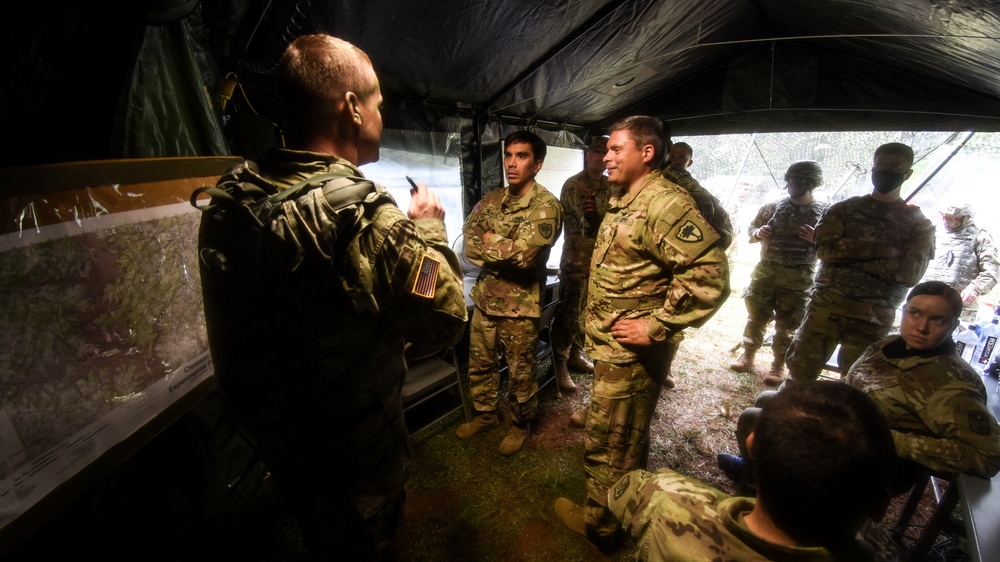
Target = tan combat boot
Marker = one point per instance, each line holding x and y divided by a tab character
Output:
578	361
515	440
563	379
745	361
579	417
776	375
479	423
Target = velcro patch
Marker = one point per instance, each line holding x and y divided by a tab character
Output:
689	232
622	486
426	282
978	423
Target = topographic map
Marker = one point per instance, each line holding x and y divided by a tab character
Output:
100	329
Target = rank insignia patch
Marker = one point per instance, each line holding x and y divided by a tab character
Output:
689	232
426	282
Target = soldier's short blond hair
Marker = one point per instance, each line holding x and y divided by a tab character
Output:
315	73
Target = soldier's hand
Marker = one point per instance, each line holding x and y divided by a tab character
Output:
631	333
807	233
968	295
765	232
590	206
424	204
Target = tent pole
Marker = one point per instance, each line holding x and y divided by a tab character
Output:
961	145
743	164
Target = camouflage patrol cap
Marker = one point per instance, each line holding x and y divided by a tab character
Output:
806	169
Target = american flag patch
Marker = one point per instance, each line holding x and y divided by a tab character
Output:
426	282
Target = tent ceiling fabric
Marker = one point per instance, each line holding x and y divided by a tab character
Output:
706	66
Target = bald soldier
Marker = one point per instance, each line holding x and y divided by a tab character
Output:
308	337
509	234
657	269
778	285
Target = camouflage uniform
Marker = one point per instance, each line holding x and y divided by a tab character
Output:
574	266
964	258
680	519
508	293
655	258
859	284
936	406
319	373
707	204
779	282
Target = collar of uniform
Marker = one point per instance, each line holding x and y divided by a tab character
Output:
303	163
515	203
631	194
896	349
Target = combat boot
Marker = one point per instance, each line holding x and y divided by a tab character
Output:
563	379
776	375
578	361
745	361
515	440
574	518
479	423
579	417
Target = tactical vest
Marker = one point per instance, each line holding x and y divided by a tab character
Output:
785	247
955	261
253	233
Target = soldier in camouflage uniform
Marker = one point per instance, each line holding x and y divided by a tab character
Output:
934	401
314	368
509	234
809	506
657	269
584	201
965	258
871	249
679	159
778	284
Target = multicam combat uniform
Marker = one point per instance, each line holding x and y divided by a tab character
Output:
508	293
677	518
936	406
656	258
574	268
709	207
779	282
964	258
861	279
315	368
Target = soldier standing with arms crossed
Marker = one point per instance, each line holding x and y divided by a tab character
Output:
509	235
656	270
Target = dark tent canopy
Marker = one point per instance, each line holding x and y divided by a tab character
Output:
90	82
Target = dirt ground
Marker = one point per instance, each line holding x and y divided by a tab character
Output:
466	502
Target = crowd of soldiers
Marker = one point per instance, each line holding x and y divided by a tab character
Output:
644	259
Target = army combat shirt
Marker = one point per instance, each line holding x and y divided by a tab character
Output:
655	258
578	232
513	261
935	403
674	518
860	273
